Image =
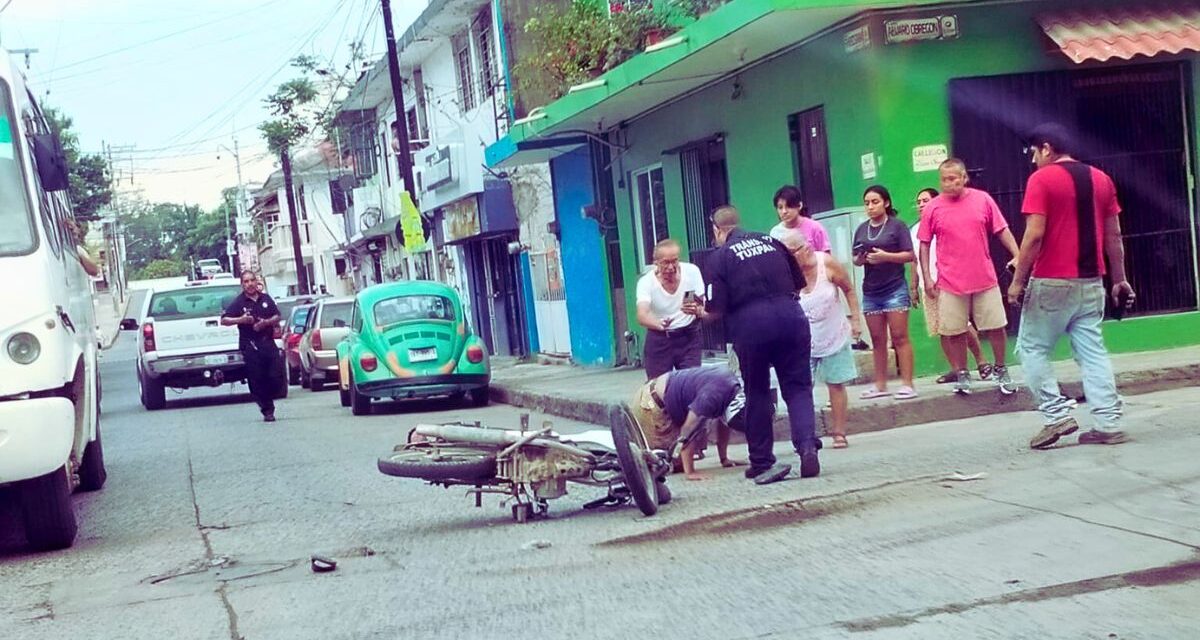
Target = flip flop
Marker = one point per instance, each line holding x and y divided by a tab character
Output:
904	393
872	393
839	441
947	378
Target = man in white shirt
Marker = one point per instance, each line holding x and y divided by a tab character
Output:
669	297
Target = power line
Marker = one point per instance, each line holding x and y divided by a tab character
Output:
321	26
163	37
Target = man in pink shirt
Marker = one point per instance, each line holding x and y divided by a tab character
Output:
963	220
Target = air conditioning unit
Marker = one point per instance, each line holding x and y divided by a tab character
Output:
438	167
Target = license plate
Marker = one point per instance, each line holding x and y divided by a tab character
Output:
221	359
422	355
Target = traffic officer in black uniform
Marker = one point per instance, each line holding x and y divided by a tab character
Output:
256	316
754	284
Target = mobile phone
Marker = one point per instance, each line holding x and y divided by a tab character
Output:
1122	306
858	248
689	296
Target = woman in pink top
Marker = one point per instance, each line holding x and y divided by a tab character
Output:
789	206
831	329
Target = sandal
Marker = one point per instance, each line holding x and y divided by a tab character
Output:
985	370
905	393
873	392
947	378
839	441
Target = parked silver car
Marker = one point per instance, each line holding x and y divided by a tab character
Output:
328	324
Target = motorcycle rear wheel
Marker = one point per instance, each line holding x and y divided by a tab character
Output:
631	452
439	462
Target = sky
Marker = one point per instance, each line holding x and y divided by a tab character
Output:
166	83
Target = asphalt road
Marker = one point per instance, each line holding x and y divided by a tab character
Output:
210	516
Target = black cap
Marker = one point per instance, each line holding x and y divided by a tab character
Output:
1052	133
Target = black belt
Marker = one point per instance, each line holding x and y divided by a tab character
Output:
677	332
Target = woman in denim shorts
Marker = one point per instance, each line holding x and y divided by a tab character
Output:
883	246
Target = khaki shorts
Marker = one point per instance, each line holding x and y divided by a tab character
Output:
985	309
661	432
931	315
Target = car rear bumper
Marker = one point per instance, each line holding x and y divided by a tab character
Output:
325	361
36	437
424	387
197	364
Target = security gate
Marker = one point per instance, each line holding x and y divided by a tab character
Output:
1130	121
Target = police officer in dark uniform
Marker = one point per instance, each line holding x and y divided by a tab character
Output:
754	282
256	316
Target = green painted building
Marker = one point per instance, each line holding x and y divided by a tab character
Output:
836	95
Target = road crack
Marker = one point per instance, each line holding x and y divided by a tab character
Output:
222	590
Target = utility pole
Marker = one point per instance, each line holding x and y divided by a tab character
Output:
285	159
230	232
403	159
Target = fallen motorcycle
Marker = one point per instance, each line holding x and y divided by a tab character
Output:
531	467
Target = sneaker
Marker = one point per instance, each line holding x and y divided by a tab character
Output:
773	474
1052	432
1103	437
268	417
962	386
986	370
1003	380
810	464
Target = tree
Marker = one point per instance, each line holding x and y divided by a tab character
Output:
90	181
161	269
291	105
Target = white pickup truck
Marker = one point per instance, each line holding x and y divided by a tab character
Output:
182	343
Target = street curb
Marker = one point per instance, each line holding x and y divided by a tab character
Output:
866	417
117	333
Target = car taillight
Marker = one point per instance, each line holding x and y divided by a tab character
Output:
148	337
368	362
293	339
316	341
475	354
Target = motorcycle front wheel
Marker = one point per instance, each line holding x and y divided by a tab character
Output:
430	461
631	452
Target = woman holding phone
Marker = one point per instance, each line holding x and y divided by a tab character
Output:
883	246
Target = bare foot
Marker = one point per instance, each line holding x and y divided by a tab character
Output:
696	476
727	463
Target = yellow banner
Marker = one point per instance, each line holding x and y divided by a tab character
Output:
410	223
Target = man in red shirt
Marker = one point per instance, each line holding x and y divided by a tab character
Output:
1071	223
963	221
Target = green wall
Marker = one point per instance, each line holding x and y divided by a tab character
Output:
885	100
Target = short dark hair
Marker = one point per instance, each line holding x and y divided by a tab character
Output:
1054	134
790	194
252	272
933	193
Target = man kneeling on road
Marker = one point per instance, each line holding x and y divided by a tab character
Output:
682	404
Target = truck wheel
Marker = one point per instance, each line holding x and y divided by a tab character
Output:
344	396
281	391
479	397
293	376
46	507
92	473
360	405
154	394
315	384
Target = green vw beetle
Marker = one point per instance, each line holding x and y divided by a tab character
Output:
410	340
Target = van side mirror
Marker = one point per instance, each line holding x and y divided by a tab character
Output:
51	162
129	324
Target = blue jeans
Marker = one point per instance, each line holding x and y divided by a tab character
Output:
1074	307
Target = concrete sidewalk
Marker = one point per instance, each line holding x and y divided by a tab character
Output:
585	394
109	312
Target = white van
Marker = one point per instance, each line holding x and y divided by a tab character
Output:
49	382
